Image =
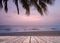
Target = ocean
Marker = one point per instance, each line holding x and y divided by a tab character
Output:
28	28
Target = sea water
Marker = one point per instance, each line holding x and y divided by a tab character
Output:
28	28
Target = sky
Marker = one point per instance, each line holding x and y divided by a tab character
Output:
52	17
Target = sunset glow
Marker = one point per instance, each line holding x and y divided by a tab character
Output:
52	16
30	18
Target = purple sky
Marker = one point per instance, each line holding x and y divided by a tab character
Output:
12	18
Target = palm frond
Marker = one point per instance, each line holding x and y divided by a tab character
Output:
26	6
16	3
1	4
5	5
40	5
39	8
32	2
48	1
43	5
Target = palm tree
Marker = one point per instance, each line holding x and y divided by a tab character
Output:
40	5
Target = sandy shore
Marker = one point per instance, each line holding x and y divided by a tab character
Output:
36	33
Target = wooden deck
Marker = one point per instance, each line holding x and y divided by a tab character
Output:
29	39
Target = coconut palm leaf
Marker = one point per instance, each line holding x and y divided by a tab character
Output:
48	1
32	2
1	4
43	5
5	5
26	6
39	9
40	5
16	3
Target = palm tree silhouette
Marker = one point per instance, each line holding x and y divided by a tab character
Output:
40	5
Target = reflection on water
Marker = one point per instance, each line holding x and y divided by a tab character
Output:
23	28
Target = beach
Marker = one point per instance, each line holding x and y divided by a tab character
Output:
32	33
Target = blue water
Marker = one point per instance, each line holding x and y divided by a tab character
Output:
28	28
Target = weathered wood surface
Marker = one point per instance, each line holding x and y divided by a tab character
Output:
29	39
